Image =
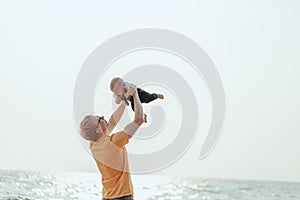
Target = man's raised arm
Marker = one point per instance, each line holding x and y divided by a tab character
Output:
132	127
115	117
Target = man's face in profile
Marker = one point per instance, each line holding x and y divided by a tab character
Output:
102	124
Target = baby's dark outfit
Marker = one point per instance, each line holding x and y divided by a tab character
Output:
144	96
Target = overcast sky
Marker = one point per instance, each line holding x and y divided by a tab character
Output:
255	46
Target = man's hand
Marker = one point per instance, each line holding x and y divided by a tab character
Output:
131	90
118	99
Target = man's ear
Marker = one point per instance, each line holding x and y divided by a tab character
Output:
98	131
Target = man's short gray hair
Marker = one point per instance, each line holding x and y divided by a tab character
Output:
88	128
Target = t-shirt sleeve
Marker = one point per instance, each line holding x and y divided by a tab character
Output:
128	85
120	139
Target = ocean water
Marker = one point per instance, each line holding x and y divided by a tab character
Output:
19	185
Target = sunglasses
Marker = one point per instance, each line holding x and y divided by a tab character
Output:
100	118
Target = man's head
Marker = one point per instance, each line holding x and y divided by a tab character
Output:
117	86
93	127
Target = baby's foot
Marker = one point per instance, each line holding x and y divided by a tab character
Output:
145	118
160	96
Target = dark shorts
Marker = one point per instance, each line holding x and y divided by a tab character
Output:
129	197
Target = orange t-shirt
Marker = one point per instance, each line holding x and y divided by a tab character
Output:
111	158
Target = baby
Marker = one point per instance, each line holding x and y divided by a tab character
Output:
123	91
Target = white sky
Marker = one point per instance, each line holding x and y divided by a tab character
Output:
254	44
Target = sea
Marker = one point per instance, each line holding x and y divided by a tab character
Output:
26	185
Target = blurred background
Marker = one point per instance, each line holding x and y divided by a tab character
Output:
255	46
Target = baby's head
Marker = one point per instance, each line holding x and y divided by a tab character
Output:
117	86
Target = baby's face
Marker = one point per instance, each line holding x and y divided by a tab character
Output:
119	89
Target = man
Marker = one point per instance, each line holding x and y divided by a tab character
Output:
109	152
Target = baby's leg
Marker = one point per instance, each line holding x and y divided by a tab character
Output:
146	97
132	105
